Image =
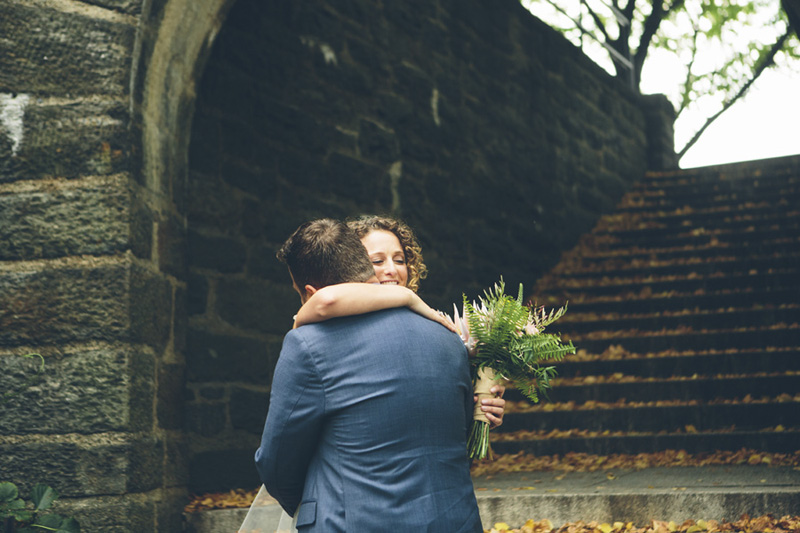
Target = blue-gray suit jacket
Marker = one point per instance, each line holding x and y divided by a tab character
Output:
367	425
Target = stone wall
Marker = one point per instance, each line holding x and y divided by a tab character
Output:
481	127
154	153
81	280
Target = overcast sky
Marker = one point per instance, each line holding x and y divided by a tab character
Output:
765	123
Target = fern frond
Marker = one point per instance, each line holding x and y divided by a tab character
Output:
506	342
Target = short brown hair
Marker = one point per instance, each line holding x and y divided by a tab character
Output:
325	252
408	241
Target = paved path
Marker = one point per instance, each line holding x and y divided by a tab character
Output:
638	496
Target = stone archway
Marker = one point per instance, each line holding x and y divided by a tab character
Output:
257	115
183	38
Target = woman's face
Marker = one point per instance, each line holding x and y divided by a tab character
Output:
386	254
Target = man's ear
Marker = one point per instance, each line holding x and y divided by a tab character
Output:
309	291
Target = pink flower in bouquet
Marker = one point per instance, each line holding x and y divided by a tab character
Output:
530	329
462	327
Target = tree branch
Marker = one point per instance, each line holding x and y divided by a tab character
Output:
768	61
597	21
651	25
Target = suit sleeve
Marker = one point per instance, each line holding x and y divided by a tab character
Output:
293	425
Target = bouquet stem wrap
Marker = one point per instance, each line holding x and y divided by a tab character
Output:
483	386
478	442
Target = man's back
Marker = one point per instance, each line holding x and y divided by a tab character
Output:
386	400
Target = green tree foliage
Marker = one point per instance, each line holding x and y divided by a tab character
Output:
720	46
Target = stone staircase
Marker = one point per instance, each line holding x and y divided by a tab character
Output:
684	305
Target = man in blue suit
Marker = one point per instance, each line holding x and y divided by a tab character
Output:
368	416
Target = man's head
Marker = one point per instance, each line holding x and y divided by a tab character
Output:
324	252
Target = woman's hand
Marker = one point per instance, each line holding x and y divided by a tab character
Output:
421	308
494	408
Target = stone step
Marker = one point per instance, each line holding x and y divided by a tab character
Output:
701	389
786	337
787	279
741	216
710	184
578	323
714	194
699	237
639	496
746	170
591	253
633	207
701	442
668	225
710	265
730	362
660	199
674	302
670	418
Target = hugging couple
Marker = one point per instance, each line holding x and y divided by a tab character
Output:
371	398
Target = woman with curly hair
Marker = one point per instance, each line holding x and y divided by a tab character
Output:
397	259
374	231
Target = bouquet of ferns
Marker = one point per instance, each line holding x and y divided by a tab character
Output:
506	340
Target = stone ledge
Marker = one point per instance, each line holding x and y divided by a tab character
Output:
639	496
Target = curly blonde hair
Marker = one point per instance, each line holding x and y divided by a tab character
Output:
413	253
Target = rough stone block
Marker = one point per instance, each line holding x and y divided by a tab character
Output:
363	182
79	391
180	321
259	181
169	403
141	227
246	143
62	53
132	7
257	305
90	217
79	466
196	294
293	127
212	393
141	373
263	263
113	514
170	245
377	143
221	254
248	409
151	307
223	470
206	419
169	509
212	203
414	84
145	466
176	464
297	167
61	305
205	149
215	358
69	139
